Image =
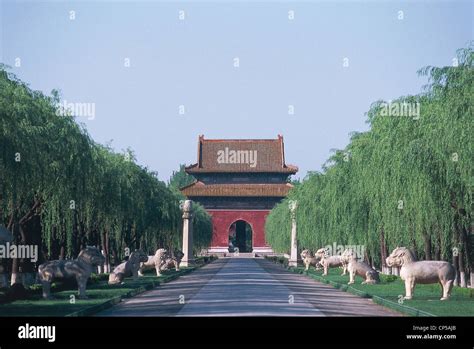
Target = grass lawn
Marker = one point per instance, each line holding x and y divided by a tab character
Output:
99	294
426	297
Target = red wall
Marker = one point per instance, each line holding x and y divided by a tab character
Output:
223	219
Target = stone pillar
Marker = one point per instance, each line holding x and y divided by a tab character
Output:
188	259
293	262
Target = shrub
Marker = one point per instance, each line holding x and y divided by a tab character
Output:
388	278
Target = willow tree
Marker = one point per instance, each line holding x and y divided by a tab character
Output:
29	125
62	191
406	181
449	130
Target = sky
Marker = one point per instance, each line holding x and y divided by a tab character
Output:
156	74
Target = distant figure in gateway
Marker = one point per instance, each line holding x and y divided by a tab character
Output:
238	181
232	242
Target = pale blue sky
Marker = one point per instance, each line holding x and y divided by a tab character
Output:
282	62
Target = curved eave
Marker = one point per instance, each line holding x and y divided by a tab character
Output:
199	189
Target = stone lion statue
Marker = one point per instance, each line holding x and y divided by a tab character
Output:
173	261
330	261
310	260
422	272
154	262
127	268
80	269
355	267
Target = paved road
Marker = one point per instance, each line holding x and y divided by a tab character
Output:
246	287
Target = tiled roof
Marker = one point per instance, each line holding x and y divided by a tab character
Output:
241	155
270	190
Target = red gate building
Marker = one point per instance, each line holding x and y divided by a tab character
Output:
238	181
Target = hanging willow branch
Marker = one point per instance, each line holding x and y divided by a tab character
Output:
403	182
51	168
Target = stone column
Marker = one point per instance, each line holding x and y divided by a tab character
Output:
293	262
188	259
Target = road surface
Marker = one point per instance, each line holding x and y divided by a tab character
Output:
246	287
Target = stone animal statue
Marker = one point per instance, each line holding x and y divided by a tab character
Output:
330	261
422	272
310	260
154	262
355	267
127	268
80	269
173	261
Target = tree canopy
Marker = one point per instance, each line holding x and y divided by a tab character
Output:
405	182
63	191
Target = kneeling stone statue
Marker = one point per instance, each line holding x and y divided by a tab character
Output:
360	268
173	261
128	268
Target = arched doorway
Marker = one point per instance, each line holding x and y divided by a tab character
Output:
240	236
